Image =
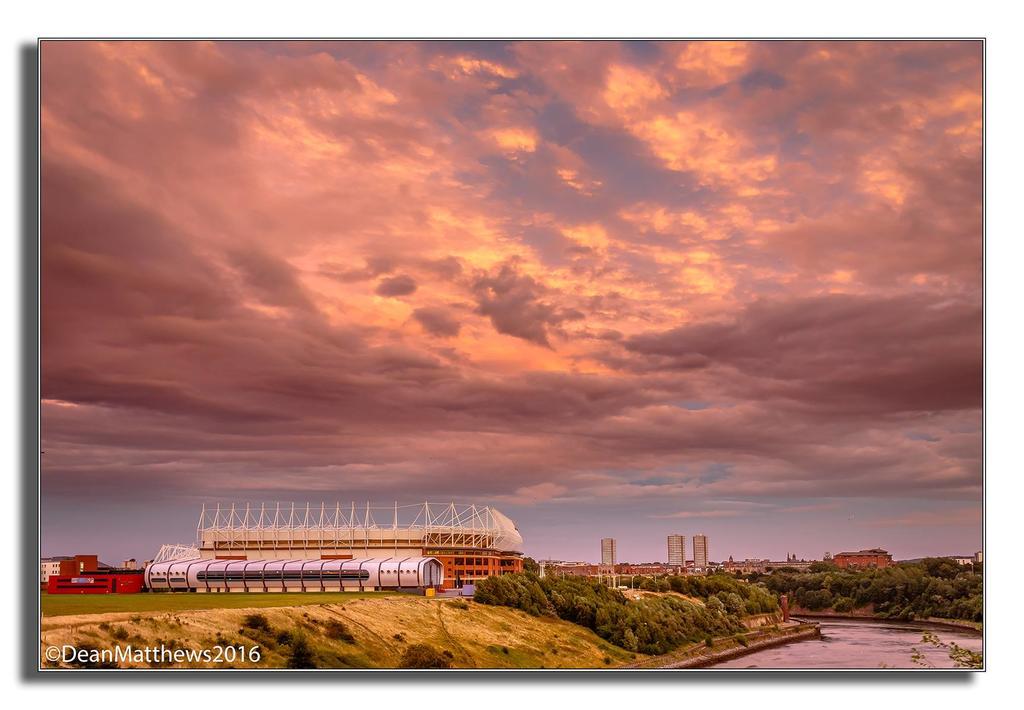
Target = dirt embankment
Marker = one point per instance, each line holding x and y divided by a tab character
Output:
362	633
756	621
724	649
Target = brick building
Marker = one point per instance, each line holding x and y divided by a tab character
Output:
874	558
66	566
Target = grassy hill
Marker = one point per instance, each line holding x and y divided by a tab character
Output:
371	631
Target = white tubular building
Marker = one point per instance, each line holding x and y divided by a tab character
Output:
331	575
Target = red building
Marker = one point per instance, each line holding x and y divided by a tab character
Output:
875	558
105	582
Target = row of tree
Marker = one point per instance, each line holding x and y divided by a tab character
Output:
651	625
933	587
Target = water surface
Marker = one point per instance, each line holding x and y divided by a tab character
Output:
860	644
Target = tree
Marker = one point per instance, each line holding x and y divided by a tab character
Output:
629	640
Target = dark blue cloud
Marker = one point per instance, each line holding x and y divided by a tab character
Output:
761	79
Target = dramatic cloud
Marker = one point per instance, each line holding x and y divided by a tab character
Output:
437	321
401	285
513	303
614	288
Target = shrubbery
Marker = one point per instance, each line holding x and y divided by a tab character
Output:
420	655
651	625
301	655
931	587
257	622
337	630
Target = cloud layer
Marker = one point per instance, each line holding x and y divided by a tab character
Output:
665	281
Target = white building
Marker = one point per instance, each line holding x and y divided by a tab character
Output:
48	566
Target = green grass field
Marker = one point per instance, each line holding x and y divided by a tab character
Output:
69	604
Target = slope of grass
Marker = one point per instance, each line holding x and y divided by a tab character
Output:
378	629
76	604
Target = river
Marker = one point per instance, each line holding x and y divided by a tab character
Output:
860	644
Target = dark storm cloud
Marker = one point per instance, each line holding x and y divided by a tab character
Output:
401	285
271	279
845	352
437	321
515	304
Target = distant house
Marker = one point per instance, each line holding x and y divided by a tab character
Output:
962	559
874	558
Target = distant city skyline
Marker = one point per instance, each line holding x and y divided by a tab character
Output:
620	289
582	549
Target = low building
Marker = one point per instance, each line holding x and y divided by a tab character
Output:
572	569
962	559
297	575
646	568
873	558
65	565
106	581
756	566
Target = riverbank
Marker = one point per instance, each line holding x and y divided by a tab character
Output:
724	649
860	615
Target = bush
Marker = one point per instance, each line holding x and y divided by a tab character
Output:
301	655
337	630
257	622
420	655
817	600
843	604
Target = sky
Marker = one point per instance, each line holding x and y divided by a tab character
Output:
614	289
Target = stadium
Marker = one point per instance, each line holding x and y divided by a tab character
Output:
285	547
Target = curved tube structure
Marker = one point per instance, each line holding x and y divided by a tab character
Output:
212	575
